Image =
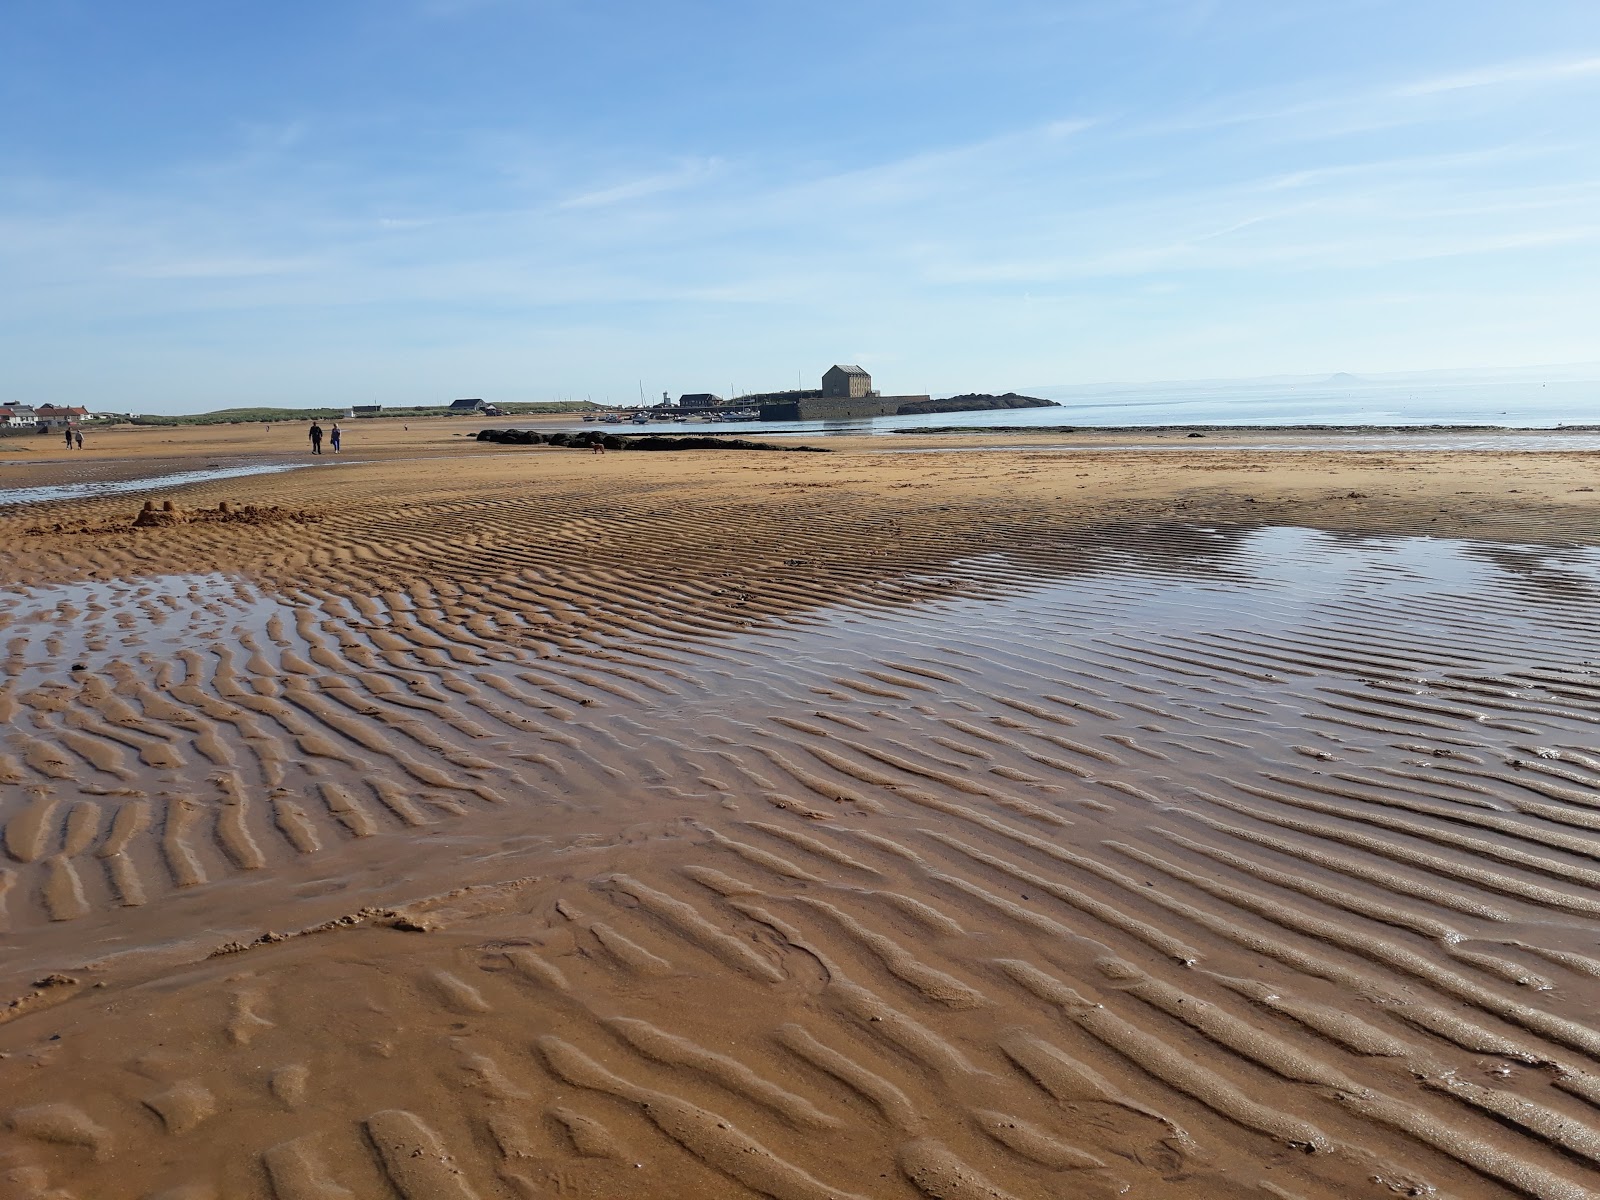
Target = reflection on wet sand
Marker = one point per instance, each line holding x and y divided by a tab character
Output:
1173	860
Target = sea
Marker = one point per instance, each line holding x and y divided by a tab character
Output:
1527	402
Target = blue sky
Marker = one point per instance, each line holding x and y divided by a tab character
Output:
403	201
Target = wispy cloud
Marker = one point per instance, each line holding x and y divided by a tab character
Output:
1500	74
1365	108
1423	165
1231	178
268	137
687	175
221	268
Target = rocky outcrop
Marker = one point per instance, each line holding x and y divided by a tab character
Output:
973	402
655	442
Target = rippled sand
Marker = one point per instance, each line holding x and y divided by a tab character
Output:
807	826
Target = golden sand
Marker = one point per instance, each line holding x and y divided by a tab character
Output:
479	821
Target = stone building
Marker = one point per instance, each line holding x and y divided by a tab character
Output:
847	382
699	400
846	395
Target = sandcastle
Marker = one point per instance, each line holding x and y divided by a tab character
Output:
168	514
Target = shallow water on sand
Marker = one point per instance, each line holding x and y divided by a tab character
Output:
1185	861
90	488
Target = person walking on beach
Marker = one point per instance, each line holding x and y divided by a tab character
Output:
333	437
77	436
316	438
67	433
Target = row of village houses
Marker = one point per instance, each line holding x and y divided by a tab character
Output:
46	416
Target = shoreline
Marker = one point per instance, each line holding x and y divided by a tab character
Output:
34	485
1471	491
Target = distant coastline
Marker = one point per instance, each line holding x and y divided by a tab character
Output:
974	402
1533	397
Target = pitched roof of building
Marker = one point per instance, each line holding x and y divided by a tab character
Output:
848	369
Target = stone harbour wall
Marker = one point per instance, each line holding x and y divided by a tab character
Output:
836	408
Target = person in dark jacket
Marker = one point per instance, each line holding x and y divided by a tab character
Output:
316	438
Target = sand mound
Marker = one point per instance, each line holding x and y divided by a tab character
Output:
169	514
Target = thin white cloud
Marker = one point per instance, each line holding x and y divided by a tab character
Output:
270	136
1014	147
1540	71
1367	108
221	268
687	175
1294	252
1410	166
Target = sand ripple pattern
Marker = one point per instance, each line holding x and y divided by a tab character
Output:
1188	862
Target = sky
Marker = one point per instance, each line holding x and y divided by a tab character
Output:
209	205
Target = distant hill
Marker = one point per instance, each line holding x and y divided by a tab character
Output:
1345	379
243	416
973	402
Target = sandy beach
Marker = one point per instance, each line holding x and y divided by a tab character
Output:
449	821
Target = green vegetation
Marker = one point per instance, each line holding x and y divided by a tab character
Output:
244	416
551	406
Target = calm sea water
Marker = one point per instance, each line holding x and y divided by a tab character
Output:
1521	404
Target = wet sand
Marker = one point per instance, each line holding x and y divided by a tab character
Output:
523	824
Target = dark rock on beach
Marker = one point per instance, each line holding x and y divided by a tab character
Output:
586	439
511	437
657	442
